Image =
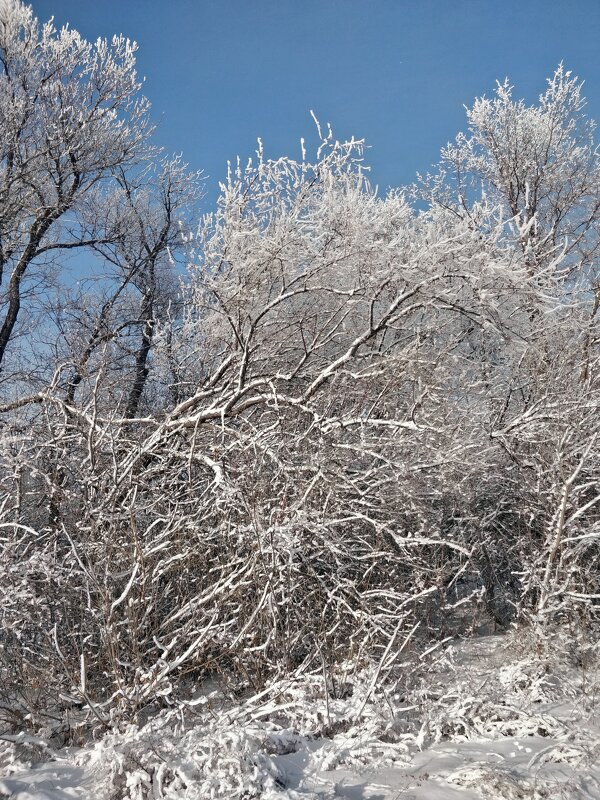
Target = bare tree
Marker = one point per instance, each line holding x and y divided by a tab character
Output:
70	116
145	226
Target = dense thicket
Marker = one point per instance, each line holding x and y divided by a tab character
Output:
359	423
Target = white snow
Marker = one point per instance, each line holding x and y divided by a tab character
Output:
487	721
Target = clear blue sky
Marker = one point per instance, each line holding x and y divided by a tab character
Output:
220	73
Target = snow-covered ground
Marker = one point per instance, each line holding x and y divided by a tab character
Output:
484	721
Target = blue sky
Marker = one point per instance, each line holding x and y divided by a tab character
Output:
220	73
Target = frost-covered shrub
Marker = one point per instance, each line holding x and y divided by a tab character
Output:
358	429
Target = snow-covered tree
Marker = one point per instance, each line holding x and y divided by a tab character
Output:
71	116
538	166
539	163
